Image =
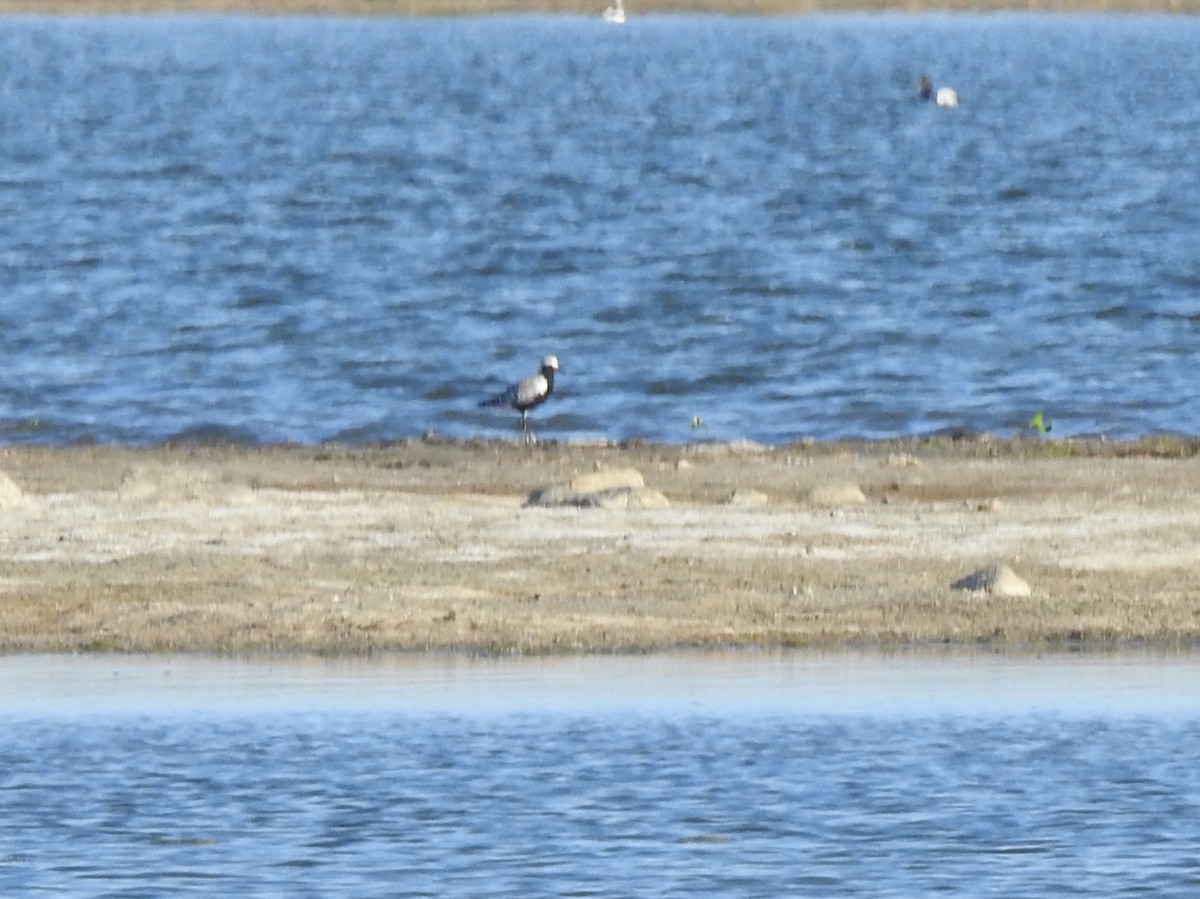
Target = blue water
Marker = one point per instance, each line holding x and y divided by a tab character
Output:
322	229
716	776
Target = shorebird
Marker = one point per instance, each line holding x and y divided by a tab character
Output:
528	392
946	96
616	13
943	96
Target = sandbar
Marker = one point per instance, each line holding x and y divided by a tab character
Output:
433	545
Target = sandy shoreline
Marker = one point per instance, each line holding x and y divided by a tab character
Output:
431	545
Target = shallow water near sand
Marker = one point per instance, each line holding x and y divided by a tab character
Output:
316	229
725	774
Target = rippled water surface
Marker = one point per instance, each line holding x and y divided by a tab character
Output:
718	775
294	229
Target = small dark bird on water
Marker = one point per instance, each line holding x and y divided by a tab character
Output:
528	392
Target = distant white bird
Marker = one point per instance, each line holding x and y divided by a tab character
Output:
528	392
943	96
946	96
615	14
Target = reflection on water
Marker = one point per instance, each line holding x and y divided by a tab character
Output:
716	774
720	683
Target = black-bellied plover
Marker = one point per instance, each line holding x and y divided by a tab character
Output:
528	392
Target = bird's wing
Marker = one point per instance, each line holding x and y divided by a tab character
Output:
503	398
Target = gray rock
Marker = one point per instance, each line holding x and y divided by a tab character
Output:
745	497
730	448
11	496
995	580
835	495
172	484
628	498
610	479
618	489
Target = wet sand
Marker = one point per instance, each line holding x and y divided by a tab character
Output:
432	545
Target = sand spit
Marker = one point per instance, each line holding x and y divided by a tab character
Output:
432	545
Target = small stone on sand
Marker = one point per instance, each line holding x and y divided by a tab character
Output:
623	488
11	496
609	479
996	580
744	497
834	495
172	484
